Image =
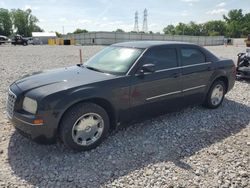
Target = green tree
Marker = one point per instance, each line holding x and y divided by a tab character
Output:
119	31
214	28
24	22
37	29
78	31
181	29
194	29
5	22
234	20
58	34
236	24
246	25
169	30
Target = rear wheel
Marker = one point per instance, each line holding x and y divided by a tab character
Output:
84	126
215	95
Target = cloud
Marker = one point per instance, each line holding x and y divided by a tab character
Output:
2	4
63	20
83	21
42	20
104	18
217	11
30	7
190	1
185	13
222	4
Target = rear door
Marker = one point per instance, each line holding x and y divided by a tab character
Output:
196	72
154	90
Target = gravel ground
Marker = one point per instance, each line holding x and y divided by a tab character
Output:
195	147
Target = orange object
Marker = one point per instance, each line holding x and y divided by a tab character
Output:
38	121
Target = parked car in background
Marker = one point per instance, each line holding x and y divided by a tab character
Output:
82	103
30	41
3	39
19	40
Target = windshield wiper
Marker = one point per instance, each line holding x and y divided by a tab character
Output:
94	69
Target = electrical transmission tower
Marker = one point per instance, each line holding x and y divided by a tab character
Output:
145	21
136	27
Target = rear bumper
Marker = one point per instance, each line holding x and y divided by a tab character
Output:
243	72
42	133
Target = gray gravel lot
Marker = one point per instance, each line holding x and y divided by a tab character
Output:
195	147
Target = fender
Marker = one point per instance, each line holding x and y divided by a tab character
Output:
78	95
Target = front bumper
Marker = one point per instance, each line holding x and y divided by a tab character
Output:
42	133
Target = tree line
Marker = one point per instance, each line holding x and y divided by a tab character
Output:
234	25
17	21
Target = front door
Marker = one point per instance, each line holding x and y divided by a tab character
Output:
156	91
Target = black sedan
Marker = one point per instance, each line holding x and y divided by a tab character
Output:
125	81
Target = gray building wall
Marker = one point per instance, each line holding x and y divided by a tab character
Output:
41	40
107	38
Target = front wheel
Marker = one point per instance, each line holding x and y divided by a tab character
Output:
84	126
215	95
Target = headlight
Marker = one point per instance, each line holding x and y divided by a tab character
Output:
30	105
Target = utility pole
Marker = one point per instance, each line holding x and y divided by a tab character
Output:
145	21
136	27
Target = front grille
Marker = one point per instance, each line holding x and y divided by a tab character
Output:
11	103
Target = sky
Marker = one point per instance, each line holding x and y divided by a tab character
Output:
107	15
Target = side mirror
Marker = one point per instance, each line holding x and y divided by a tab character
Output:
150	68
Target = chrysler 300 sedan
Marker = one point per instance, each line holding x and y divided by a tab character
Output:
79	105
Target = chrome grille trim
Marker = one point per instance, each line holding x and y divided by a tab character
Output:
11	104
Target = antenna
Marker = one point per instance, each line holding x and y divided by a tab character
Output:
145	21
136	27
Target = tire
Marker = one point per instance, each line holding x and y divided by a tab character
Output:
219	86
81	121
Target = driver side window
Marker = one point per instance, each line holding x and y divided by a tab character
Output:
161	57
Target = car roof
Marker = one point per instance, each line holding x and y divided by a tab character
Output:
148	44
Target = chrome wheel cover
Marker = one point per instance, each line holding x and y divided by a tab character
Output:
87	129
217	94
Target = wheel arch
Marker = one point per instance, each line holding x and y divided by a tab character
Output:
105	104
222	78
219	75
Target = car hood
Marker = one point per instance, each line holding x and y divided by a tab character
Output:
63	78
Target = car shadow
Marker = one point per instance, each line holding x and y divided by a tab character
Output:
171	137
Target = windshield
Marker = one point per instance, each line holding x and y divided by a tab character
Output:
114	60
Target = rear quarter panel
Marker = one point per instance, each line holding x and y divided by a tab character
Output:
224	68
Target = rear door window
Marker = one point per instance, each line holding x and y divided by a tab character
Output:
162	58
192	56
